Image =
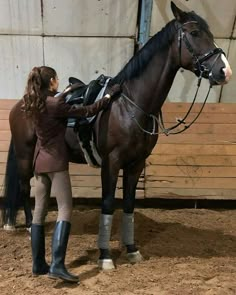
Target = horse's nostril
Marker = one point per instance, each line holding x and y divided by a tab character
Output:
222	72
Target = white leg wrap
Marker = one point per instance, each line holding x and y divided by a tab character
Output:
104	231
127	229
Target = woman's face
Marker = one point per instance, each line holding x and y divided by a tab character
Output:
54	84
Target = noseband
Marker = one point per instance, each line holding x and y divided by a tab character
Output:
198	61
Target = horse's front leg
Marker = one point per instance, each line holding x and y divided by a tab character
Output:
109	176
130	179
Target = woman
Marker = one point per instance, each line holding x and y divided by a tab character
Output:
51	164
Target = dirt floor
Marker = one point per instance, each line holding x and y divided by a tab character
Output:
186	251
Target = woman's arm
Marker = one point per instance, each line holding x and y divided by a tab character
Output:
75	111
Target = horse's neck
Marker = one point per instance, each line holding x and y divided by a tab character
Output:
150	90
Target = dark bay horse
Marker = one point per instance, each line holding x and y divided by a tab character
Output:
125	133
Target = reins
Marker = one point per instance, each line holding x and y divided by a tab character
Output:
180	121
158	120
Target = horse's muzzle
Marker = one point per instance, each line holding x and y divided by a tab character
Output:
221	79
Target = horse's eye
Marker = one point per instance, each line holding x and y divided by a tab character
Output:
195	33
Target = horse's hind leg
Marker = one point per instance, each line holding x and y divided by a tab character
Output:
130	179
109	179
25	194
25	175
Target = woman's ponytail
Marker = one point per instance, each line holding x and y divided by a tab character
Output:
38	82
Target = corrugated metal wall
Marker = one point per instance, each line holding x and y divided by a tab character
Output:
76	37
86	38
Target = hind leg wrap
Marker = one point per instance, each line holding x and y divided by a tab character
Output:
127	229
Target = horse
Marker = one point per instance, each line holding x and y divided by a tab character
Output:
126	132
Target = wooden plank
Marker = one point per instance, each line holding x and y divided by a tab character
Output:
208	128
226	108
88	192
192	160
5	135
199	138
4	146
4	124
83	169
194	149
213	118
7	104
3	157
190	182
94	181
173	107
190	171
179	193
95	192
4	114
2	168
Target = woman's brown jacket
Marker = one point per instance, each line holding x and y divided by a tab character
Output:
51	153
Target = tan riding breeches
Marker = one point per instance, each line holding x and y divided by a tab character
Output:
59	184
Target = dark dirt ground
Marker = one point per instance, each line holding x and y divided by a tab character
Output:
186	251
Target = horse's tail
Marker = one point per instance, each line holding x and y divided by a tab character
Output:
11	194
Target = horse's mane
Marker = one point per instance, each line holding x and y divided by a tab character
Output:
160	41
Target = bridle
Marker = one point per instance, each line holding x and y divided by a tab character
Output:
200	70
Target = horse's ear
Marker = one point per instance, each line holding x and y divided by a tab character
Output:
178	13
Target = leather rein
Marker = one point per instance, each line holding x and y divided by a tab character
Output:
200	70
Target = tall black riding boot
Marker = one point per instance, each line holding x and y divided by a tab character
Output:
59	245
40	266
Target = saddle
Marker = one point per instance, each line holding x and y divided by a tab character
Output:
86	95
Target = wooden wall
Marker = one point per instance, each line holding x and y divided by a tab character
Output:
199	163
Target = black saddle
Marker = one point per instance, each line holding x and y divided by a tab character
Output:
86	94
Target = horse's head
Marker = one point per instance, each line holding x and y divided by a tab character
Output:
197	50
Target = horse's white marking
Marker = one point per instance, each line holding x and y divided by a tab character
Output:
227	69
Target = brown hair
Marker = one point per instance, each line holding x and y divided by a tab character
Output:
38	83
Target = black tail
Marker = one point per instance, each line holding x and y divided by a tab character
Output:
11	195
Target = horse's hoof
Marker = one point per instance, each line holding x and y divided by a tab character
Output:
134	257
9	227
106	264
28	229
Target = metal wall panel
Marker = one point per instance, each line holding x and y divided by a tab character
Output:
20	17
90	18
185	84
87	58
18	54
220	15
228	93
